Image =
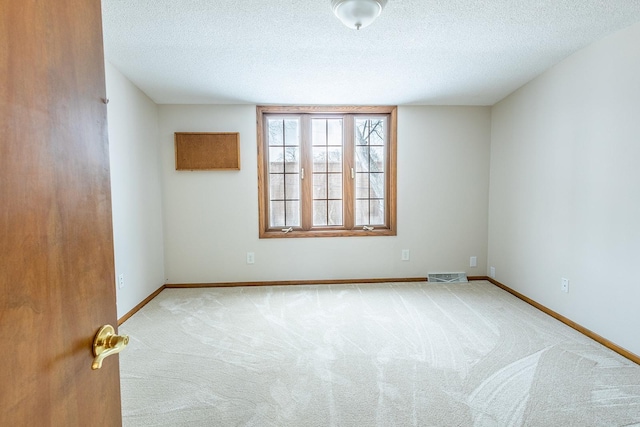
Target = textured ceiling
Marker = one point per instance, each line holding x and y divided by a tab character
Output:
435	52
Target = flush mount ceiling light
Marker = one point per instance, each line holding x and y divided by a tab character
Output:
357	13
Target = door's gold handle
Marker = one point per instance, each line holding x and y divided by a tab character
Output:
107	343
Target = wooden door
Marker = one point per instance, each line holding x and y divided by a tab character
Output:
57	284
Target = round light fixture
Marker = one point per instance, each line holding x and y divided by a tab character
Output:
357	13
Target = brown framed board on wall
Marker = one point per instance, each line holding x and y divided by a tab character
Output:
207	151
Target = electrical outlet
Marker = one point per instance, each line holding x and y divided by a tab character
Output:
473	261
251	258
565	285
405	255
121	281
492	272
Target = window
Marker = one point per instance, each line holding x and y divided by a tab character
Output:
327	171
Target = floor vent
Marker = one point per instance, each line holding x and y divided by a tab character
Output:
447	277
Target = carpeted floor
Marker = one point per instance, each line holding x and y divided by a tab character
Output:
395	354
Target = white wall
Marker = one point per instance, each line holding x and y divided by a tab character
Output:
565	188
136	190
211	218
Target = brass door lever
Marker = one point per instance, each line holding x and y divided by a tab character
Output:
107	343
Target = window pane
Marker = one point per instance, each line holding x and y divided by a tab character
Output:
376	183
319	186
292	159
276	210
319	212
362	131
362	212
334	132
319	131
335	212
275	132
362	159
276	159
292	132
377	212
276	187
319	159
335	159
377	132
362	185
376	159
335	186
293	214
292	188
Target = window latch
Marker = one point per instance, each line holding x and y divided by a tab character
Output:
302	173
286	230
367	228
353	175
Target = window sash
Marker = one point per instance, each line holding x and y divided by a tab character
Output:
327	165
371	143
284	156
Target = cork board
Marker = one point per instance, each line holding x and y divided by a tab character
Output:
207	151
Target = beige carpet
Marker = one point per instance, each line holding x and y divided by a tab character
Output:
397	354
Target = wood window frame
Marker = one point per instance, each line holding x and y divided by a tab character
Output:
347	230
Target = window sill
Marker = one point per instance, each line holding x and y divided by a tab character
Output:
278	234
